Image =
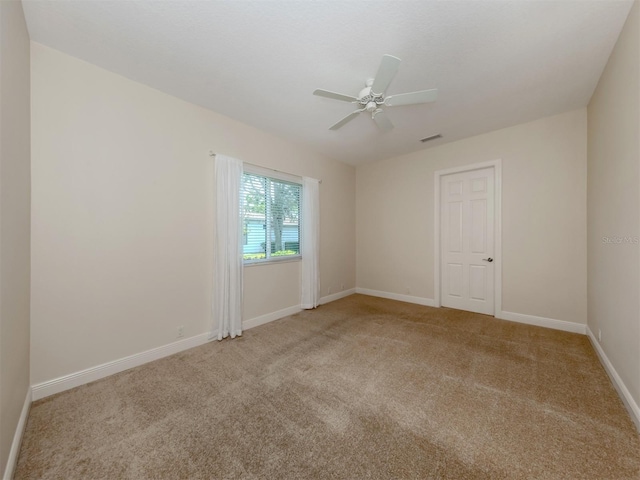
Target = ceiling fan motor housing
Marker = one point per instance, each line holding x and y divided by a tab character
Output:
369	100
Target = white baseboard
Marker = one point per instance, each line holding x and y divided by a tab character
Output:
270	317
337	296
623	391
427	302
82	377
17	438
88	375
543	322
513	317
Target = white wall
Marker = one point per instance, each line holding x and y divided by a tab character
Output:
614	207
15	189
543	216
122	219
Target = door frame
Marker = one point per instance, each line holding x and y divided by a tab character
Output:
497	278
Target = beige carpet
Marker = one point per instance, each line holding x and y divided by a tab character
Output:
360	388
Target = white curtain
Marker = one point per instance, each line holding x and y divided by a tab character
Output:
310	243
227	249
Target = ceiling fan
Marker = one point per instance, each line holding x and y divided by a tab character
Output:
371	98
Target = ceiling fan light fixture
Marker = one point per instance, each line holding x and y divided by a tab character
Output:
372	106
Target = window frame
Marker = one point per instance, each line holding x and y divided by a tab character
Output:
277	176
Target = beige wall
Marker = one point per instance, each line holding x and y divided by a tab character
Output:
15	191
122	219
543	216
614	206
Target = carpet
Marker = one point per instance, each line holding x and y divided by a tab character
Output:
361	388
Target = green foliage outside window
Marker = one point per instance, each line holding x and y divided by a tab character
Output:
271	217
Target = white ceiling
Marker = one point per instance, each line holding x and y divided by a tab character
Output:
495	63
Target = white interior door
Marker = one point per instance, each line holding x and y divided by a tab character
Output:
467	206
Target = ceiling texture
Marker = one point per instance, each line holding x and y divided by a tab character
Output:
495	63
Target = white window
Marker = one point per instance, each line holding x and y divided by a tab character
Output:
271	223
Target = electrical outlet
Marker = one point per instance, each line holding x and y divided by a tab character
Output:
329	290
181	331
342	287
599	335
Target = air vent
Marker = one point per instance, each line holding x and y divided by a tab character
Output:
432	137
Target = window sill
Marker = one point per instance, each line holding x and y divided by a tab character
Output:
273	261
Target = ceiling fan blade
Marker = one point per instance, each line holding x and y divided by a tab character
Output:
423	96
336	96
346	119
382	121
387	70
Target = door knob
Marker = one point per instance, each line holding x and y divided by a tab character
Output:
487	259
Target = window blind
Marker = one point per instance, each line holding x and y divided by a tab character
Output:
271	218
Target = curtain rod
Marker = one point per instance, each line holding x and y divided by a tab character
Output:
212	154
